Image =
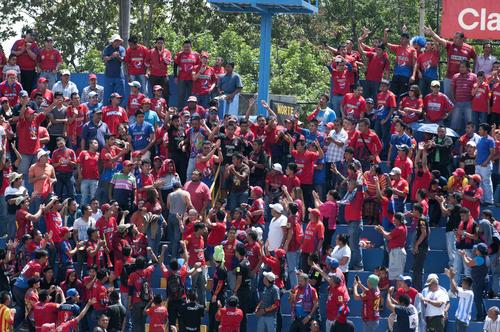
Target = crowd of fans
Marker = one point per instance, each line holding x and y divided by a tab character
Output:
96	182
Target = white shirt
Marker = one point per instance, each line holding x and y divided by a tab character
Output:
81	226
66	90
484	64
97	215
334	152
275	236
340	252
439	295
465	301
490	325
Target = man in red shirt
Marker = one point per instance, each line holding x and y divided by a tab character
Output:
49	60
136	283
377	67
157	314
396	240
386	106
157	61
480	99
462	84
64	161
114	114
230	317
77	117
313	238
370	312
45	311
472	196
134	62
184	64
195	245
437	106
70	325
88	171
353	104
400	189
11	88
340	86
42	87
134	102
366	144
100	294
200	193
457	51
204	81
26	51
403	162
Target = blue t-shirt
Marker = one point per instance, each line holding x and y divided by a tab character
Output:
152	118
483	147
431	73
398	140
320	174
229	83
91	131
65	247
479	260
114	66
310	137
140	134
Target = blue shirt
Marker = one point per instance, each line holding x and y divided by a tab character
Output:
324	116
398	140
92	131
483	147
113	66
320	174
310	137
152	118
92	108
140	135
230	82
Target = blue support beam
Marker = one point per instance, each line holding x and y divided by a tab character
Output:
266	22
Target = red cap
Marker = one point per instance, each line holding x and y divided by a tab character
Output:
459	172
105	207
157	87
11	73
146	101
92	77
330	125
29	110
315	212
115	95
257	190
136	154
48	327
476	177
280	253
126	163
64	230
42	80
4	99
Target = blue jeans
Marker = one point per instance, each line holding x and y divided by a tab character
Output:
335	102
495	272
128	318
26	161
266	323
370	325
384	132
204	100
65	185
479	117
292	258
184	89
354	231
370	89
51	78
190	168
3	216
451	247
486	184
235	199
479	286
141	79
462	113
173	234
113	84
88	189
460	267
448	88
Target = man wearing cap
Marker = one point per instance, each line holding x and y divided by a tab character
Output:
12	192
403	162
123	185
49	60
396	240
43	88
305	303
193	107
185	63
437	105
340	71
405	68
371	302
58	119
113	55
478	263
204	81
135	98
42	176
134	62
88	171
468	158
434	299
11	88
26	51
269	304
65	85
95	129
92	87
113	114
277	228
150	115
472	196
158	102
157	61
400	188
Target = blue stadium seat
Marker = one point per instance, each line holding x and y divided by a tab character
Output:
372	258
369	233
437	238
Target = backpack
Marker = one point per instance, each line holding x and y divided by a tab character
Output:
143	287
175	288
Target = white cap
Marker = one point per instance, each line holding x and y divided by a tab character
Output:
41	153
65	72
277	207
92	94
395	170
277	167
115	37
270	276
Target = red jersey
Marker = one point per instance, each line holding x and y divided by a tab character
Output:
47	95
340	82
219	70
113	116
405	55
305	163
257	205
24	61
139	243
473	207
11	92
53	222
134	103
63	157
457	54
354	106
31	270
229	248
386	99
422	180
481	98
100	293
405	165
89	164
274	264
62	326
253	254
337	297
96	259
80	114
106	228
398	237
436	106
365	145
462	86
411	292
376	66
157	318
158	62
44	312
371	305
196	249
24	225
230	319
427	60
353	210
315	232
135	59
217	234
291	182
48	59
107	153
410	116
136	279
495	97
159	105
205	81
186	62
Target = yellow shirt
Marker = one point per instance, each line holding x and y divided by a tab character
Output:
6	319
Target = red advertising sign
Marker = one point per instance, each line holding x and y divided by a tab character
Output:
477	19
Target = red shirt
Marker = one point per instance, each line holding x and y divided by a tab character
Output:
253	254
200	194
398	237
406	166
135	60
44	312
354	106
24	61
353	210
315	232
376	66
196	249
229	248
89	163
136	279
106	154
205	81
361	141
217	234
32	269
411	292
291	182
186	62
474	207
257	205
157	318
371	305
11	92
53	222
63	156
416	104
159	106
305	163
337	296
423	181
274	264
113	117
480	99
340	82
436	106
80	113
158	62
134	103
495	97
427	60
96	259
62	326
47	95
100	293
24	225
386	99
405	55
230	319
106	228
462	86
455	55
48	59
27	133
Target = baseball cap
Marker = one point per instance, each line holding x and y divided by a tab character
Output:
277	167
41	153
459	172
195	116
405	35
136	154
122	228
92	94
277	207
11	73
135	84
269	276
369	101
476	177
115	95
42	80
384	81
23	93
92	77
280	253
330	125
431	277
29	110
65	72
146	101
403	147
157	87
314	212
258	190
48	327
332	262
64	230
395	170
471	143
4	99
482	248
435	83
98	111
115	37
192	99
72	292
105	207
48	38
126	163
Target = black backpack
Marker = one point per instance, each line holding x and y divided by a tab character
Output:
175	288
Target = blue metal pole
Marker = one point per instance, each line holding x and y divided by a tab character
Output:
266	22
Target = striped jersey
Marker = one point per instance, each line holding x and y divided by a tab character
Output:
6	318
465	301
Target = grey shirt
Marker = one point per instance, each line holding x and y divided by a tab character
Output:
270	295
230	82
486	231
57	129
177	202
